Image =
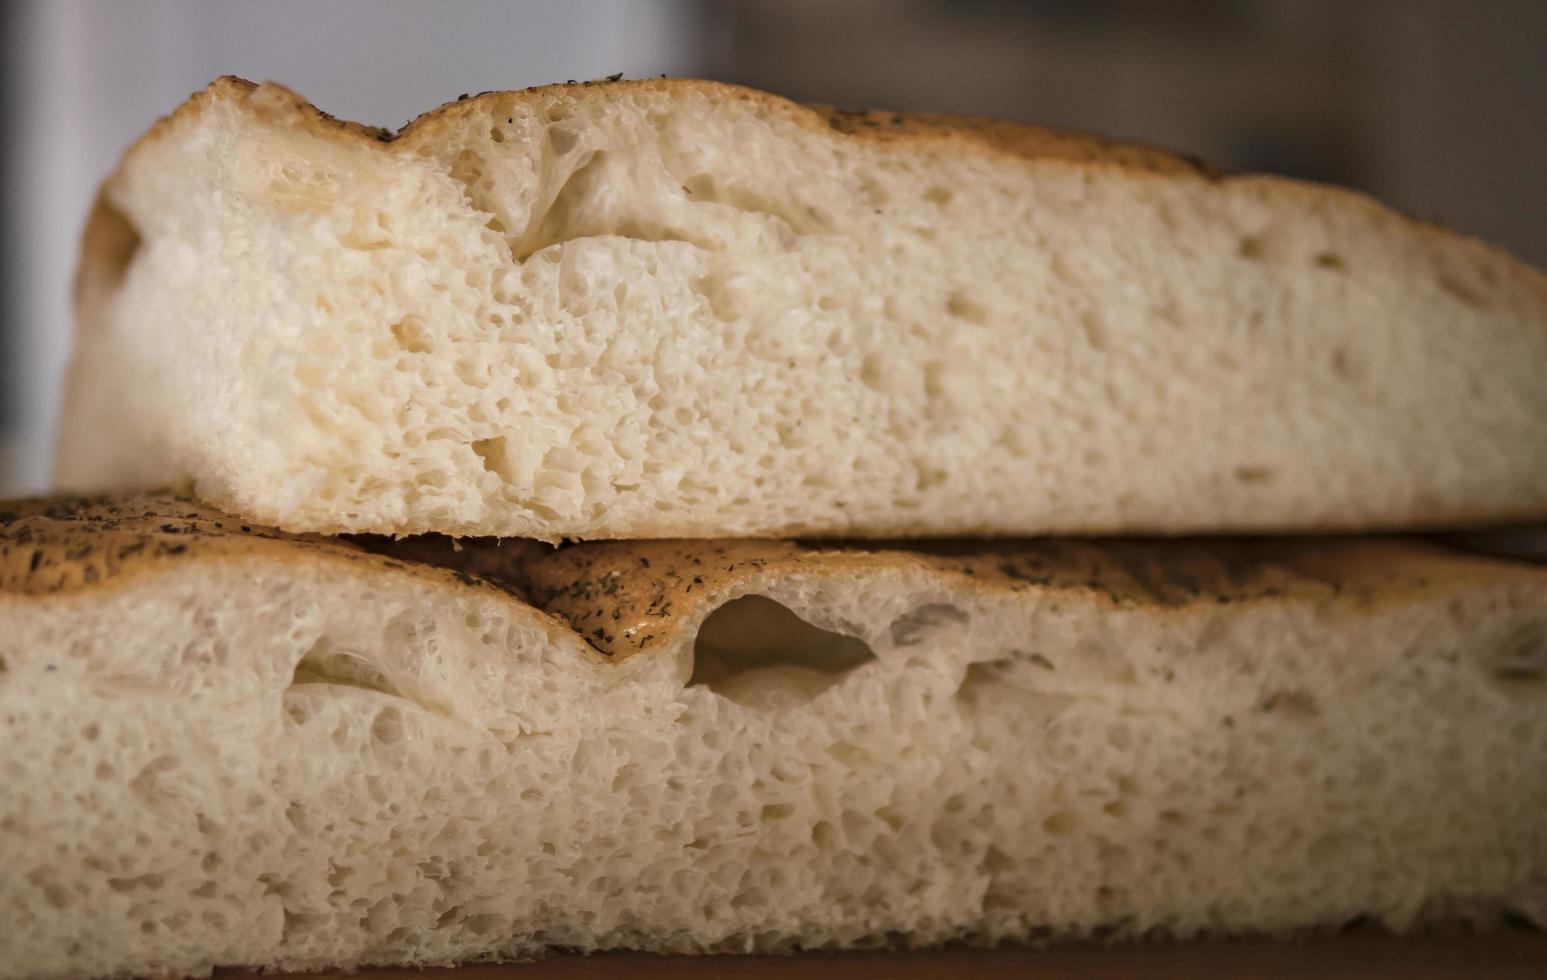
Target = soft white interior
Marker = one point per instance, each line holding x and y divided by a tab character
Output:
254	764
619	312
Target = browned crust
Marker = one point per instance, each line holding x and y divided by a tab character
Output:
57	545
1024	140
270	102
627	598
1030	142
107	240
276	105
273	103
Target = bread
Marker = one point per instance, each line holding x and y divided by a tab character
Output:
227	746
678	308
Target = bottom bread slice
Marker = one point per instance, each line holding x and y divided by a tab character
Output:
222	745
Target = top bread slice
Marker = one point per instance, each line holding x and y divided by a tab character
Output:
679	308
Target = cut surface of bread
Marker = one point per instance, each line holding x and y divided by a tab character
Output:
222	745
684	309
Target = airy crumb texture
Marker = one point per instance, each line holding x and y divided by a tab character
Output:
222	746
678	308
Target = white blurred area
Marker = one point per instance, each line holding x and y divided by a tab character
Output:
85	77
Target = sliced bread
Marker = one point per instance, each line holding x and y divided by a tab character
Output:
221	745
679	308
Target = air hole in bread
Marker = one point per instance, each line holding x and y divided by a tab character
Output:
776	811
1253	474
875	194
1332	261
1061	823
1167	314
723	301
963	307
1015	684
467	169
324	663
562	140
409	334
579	209
874	372
298	924
116	242
53	892
758	652
1457	282
1095	329
1346	365
552	226
370	233
1290	703
789	217
912	626
1251	247
1522	670
150	785
387	727
484	924
150	882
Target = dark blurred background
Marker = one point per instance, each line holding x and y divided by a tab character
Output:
1437	106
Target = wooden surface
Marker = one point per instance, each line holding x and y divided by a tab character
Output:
1369	957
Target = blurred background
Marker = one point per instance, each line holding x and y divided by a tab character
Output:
1437	106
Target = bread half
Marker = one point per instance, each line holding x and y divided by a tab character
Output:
678	308
226	746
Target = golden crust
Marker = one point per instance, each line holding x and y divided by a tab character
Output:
1022	140
55	545
275	105
269	102
628	598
